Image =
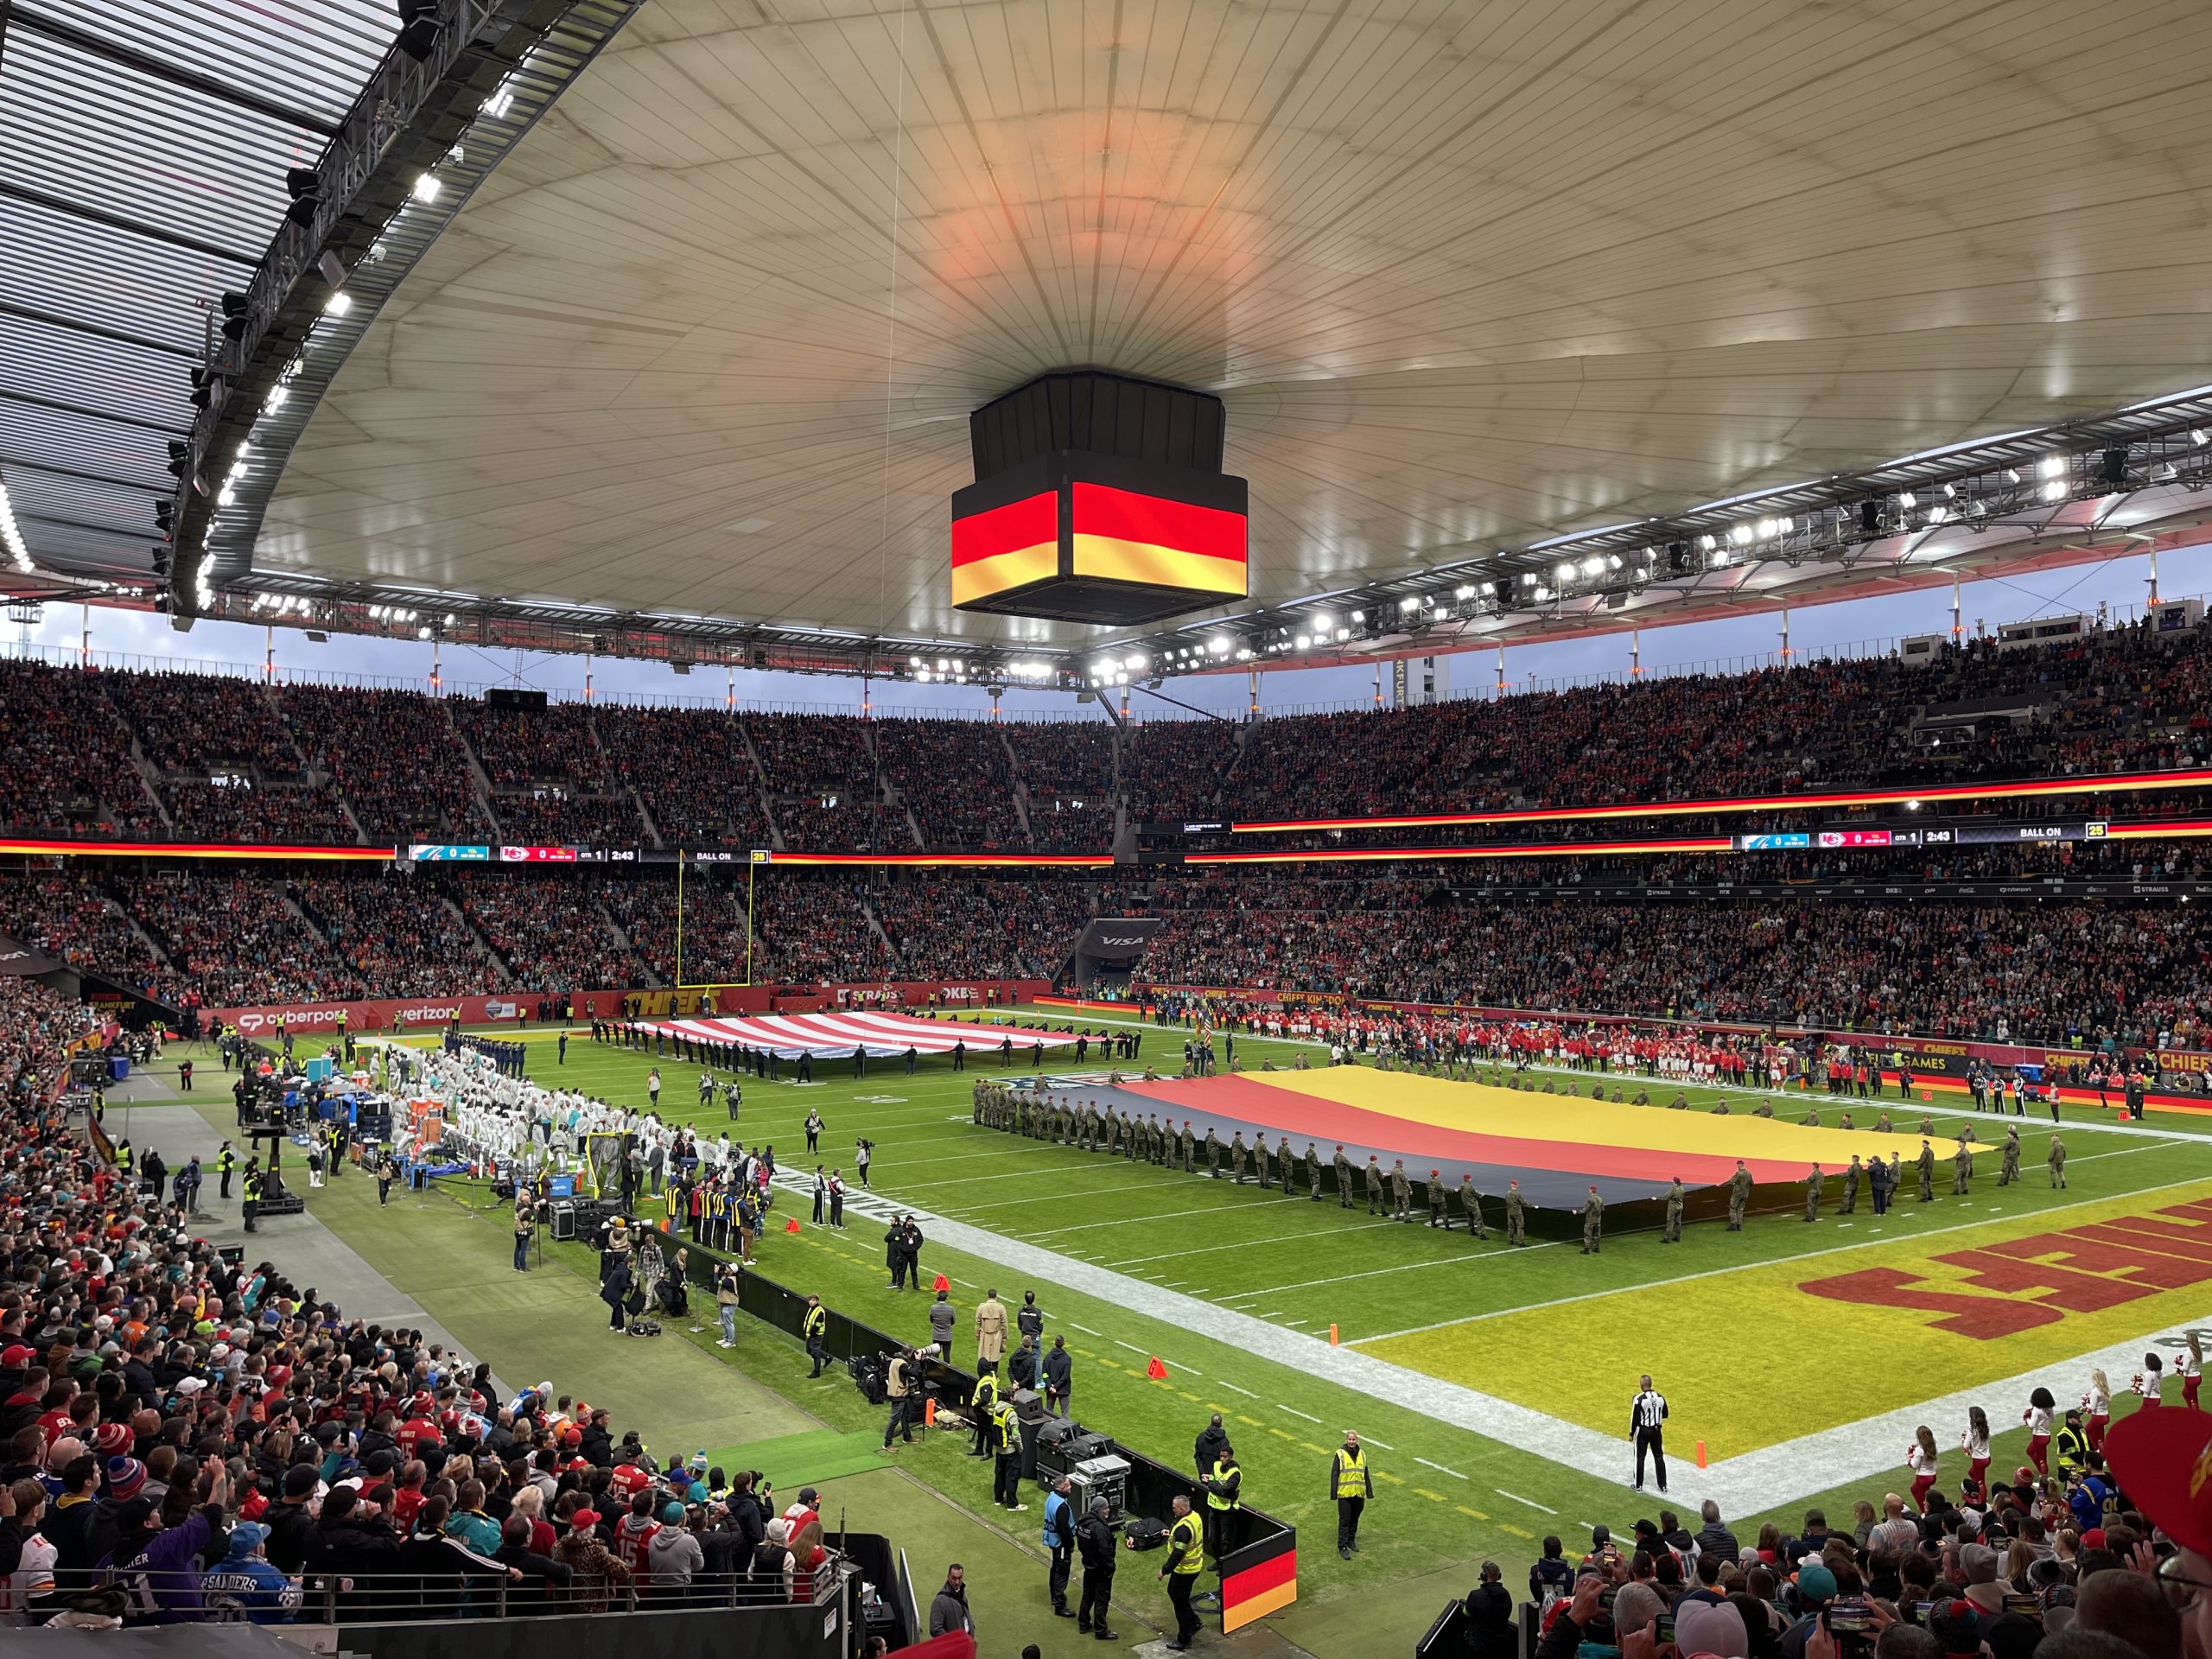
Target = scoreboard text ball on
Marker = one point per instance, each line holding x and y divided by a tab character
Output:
1099	499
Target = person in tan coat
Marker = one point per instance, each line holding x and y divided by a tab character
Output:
990	1332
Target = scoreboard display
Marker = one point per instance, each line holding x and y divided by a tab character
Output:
1074	536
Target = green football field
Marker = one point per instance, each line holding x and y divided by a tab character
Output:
1534	1349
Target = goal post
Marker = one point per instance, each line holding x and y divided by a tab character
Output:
752	863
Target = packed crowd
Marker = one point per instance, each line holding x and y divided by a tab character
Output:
2120	699
202	723
65	757
397	938
392	757
230	941
2101	1556
550	932
711	797
191	1439
956	776
2051	970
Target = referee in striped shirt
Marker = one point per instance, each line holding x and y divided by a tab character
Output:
1647	1419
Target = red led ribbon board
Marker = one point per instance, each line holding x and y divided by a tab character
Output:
1074	536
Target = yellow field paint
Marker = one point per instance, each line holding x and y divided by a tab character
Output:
1520	1115
1477	1514
1433	1497
1974	1304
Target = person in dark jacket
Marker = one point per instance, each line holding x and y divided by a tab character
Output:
1712	1538
597	1445
1094	1541
291	1529
68	1520
1551	1575
1492	1630
1059	1371
949	1607
540	1573
1208	1446
614	1290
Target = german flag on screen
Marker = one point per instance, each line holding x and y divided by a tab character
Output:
1006	546
1259	1580
1121	536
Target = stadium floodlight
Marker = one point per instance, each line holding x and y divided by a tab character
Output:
1409	604
1593	566
1768	530
2054	490
1743	535
2052	467
1135	662
1907	499
1613	561
943	666
1305	641
426	186
1937	515
1707	544
1244	654
2011	474
1527	578
1563	571
1343	634
1322	623
1359	617
1219	645
1950	491
1466	590
337	305
2198	436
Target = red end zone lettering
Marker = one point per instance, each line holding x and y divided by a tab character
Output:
2039	1279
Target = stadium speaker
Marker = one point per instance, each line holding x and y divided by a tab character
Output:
1678	558
507	697
2114	471
419	28
1870	518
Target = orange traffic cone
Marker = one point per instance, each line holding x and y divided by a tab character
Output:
1925	1095
791	1224
1156	1371
943	1283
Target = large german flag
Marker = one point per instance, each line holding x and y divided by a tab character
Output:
1121	536
1006	546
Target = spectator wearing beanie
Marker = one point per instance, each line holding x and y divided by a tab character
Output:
1815	1588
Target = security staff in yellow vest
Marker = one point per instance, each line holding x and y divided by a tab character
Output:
226	1164
1224	1484
1005	1447
1352	1486
1185	1554
815	1330
249	1206
126	1162
982	1403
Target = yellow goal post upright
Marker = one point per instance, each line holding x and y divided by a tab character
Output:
757	857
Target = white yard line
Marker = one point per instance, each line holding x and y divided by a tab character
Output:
1233	1388
1295	1412
1085	1329
1530	1502
1440	1468
1132	1347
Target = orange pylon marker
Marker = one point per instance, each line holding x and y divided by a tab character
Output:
1700	1454
791	1224
1332	1333
1155	1371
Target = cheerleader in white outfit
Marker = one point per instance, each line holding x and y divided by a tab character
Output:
1920	1457
2037	1417
2190	1362
2147	1381
2097	1402
1975	1444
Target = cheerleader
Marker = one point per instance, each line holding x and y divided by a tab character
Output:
2148	1380
1920	1457
2190	1362
1975	1444
2039	1419
2098	1403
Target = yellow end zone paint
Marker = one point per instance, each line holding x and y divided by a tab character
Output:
1971	1304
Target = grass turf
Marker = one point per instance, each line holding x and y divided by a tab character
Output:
1447	1497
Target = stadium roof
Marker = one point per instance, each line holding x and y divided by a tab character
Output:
142	149
1469	279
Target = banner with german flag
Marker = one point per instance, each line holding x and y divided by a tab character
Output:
1122	536
1260	1579
1006	546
